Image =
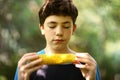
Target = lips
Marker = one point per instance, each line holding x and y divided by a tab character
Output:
58	40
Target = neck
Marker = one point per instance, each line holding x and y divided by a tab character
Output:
63	50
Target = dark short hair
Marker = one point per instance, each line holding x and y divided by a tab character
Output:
58	7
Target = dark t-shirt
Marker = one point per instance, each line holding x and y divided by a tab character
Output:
57	72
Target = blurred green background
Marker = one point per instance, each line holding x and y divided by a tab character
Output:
98	33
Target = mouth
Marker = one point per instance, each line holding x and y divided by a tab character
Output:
58	40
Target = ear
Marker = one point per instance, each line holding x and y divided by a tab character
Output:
74	28
42	29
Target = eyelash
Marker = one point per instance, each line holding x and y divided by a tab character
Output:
66	27
51	27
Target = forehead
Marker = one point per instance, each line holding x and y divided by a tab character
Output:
58	19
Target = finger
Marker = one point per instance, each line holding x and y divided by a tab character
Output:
34	68
31	58
29	71
27	58
81	66
29	54
84	58
82	61
33	63
84	72
84	68
82	55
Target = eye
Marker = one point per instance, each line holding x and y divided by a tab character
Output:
67	27
52	27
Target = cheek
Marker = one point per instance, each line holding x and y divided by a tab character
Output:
48	34
68	34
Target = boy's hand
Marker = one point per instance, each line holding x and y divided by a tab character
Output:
27	64
87	65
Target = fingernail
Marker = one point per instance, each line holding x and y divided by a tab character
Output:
79	65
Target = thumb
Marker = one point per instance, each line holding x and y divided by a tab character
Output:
83	70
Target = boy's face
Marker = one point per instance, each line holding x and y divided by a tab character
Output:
57	31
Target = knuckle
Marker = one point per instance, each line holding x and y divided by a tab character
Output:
22	69
19	63
87	54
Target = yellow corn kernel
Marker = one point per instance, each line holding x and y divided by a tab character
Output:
57	58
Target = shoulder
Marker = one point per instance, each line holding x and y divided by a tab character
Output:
41	51
72	51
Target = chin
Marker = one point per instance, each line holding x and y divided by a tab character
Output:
59	48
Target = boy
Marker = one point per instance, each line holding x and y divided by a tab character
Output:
57	24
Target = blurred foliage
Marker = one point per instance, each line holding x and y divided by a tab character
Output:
98	33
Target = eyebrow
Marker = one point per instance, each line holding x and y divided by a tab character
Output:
66	22
53	22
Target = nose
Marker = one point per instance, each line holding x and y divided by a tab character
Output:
59	31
